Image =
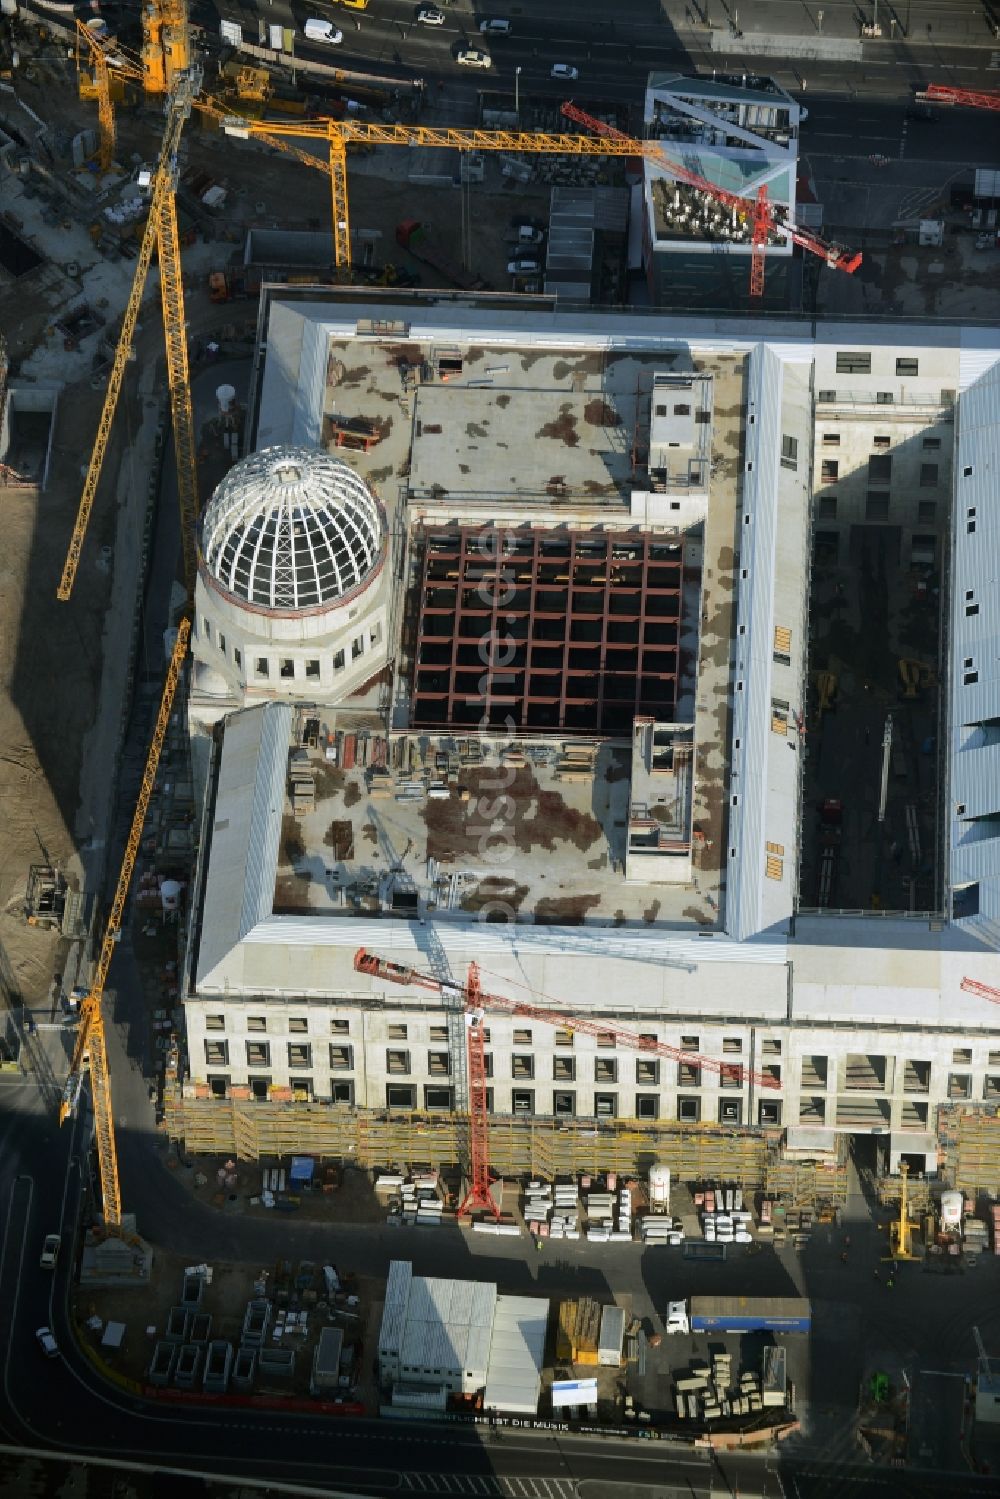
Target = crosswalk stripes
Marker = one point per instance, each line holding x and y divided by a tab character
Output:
489	1487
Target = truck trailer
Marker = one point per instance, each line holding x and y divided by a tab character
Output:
750	1314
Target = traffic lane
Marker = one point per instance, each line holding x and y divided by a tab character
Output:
949	136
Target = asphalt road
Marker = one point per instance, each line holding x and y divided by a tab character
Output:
616	47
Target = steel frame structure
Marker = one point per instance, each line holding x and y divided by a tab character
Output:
570	616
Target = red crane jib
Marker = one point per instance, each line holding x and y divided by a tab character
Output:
475	998
943	93
836	257
985	991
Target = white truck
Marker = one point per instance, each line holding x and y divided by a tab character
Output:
678	1320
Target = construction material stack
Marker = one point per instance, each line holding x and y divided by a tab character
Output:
537	1208
662	1230
578	1334
600	1216
301	784
566	1212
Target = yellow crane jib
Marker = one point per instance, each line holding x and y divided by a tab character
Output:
178	110
91	1048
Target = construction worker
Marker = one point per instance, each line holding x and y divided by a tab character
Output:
843	1257
889	1283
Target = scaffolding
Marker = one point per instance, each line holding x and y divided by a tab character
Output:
264	1129
806	1184
977	1153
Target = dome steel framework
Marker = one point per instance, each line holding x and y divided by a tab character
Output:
292	528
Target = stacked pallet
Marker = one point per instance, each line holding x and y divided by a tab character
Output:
537	1208
566	1212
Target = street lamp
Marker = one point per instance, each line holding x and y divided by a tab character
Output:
517	93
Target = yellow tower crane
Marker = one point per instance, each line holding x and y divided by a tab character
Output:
339	134
161	232
111	60
90	1038
901	1231
166	44
97	86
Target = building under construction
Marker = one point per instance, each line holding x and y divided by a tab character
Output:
578	561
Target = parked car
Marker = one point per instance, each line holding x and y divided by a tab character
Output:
47	1342
323	31
523	267
494	28
474	57
527	234
50	1251
564	71
431	15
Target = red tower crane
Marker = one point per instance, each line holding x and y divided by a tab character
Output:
985	991
943	93
764	220
476	1002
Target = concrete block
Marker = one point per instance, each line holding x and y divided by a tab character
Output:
256	1323
161	1368
201	1327
194	1289
244	1370
188	1365
178	1325
276	1363
218	1367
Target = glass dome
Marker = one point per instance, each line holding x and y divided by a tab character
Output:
292	528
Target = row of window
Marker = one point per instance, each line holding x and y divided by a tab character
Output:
523	1101
859	362
287	666
860	1072
398	1063
881	440
879	471
523	1036
690	1109
877	507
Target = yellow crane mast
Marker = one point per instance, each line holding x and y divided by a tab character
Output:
99	88
90	1038
161	231
339	134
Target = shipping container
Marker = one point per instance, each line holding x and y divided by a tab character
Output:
750	1314
774	1380
703	1249
612	1337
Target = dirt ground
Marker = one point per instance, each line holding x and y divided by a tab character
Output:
292	1285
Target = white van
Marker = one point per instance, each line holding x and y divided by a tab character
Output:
323	31
494	28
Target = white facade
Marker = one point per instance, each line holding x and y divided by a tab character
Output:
974	750
290	598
